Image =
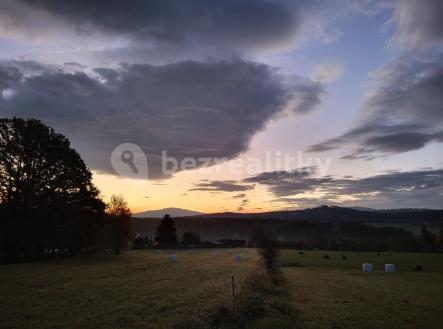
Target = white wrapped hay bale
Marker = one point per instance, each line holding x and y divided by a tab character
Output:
216	253
173	258
238	258
389	268
367	267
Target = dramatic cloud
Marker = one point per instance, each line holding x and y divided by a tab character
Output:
404	113
188	109
284	183
420	23
224	186
422	188
237	25
158	32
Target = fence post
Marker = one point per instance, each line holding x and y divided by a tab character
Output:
233	293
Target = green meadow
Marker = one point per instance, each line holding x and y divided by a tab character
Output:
142	289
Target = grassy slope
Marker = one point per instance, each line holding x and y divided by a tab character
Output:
142	290
335	294
135	290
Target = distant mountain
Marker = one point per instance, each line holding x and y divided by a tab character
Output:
174	212
314	223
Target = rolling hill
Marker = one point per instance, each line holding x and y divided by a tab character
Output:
174	212
335	215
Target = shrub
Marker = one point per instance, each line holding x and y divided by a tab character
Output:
267	248
191	238
419	267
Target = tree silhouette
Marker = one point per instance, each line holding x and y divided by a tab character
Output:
47	199
166	231
119	217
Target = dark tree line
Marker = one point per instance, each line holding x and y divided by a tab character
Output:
363	237
47	198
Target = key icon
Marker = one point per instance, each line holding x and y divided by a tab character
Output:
128	158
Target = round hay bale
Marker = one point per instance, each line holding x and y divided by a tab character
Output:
390	268
367	267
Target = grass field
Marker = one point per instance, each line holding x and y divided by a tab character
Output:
334	293
141	289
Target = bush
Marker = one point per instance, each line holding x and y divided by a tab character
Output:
267	248
191	238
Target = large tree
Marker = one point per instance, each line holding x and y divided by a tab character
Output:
47	199
119	222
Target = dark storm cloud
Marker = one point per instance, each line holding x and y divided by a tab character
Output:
283	183
393	189
9	77
234	24
189	109
224	186
400	142
158	31
420	23
404	113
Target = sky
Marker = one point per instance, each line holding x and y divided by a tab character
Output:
237	105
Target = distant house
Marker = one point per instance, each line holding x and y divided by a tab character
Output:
213	244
